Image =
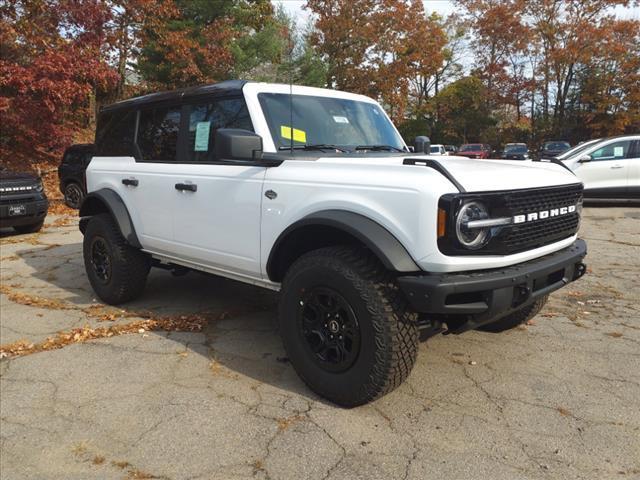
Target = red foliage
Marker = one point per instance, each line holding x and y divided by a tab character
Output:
51	69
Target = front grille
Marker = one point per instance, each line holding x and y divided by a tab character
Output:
11	200
534	234
517	237
542	198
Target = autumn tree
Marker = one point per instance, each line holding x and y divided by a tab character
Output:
569	31
375	47
51	66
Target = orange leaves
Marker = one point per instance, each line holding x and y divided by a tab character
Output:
375	47
182	323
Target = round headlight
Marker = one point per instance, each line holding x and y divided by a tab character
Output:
472	237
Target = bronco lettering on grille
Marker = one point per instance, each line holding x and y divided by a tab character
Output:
541	215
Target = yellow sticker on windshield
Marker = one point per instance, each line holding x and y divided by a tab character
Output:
298	135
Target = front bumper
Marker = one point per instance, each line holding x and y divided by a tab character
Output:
470	299
36	206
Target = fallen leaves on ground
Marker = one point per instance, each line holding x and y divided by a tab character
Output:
58	207
179	323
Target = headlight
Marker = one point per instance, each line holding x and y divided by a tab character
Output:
472	237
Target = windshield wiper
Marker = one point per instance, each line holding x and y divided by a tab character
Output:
379	148
315	146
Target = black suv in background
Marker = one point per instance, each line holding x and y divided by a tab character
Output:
553	149
23	203
71	171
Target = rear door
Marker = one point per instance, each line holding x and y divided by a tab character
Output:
608	171
217	203
148	184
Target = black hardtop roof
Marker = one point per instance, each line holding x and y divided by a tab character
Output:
226	87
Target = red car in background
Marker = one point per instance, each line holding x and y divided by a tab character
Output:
475	150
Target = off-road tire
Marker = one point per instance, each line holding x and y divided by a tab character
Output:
31	228
73	195
129	266
516	318
388	328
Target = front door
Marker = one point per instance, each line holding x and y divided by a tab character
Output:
217	204
608	171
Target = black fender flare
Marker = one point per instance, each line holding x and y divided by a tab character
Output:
107	200
393	255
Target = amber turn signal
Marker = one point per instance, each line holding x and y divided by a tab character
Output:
442	222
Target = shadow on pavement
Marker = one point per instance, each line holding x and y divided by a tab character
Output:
242	334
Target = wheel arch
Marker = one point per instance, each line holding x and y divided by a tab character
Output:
108	201
335	227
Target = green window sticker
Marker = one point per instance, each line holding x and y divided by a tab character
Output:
202	136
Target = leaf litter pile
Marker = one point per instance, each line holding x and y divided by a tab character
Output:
146	323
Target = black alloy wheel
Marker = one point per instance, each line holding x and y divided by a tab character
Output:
329	329
101	259
73	195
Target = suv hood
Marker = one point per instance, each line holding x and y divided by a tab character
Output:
7	176
481	176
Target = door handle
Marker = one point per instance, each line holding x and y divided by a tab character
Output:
190	187
130	182
615	167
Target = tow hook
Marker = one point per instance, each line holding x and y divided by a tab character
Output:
579	270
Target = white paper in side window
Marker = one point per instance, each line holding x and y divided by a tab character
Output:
618	151
202	137
339	119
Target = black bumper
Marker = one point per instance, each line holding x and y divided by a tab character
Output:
475	298
36	207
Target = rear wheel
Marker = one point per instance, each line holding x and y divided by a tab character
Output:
73	195
345	325
117	272
31	228
516	318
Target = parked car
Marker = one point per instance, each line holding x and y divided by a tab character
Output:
553	149
609	168
437	150
23	202
515	151
475	150
451	149
582	146
71	173
313	202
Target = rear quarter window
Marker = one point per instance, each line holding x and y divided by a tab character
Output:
115	132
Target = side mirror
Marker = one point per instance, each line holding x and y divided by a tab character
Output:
238	144
585	159
422	144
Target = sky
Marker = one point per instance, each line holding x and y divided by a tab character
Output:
443	7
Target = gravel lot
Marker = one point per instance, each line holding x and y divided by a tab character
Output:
559	398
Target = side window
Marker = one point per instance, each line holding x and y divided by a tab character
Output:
158	133
114	133
206	118
613	151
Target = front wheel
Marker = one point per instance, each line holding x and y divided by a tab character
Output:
345	325
117	272
516	318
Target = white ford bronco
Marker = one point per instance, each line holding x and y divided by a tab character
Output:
313	193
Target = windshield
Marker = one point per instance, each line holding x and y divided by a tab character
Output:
327	121
472	147
578	149
556	146
515	148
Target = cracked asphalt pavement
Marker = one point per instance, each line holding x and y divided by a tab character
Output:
558	398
